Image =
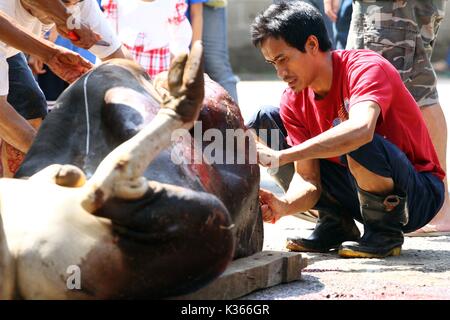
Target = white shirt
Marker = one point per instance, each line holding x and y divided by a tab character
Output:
90	14
153	20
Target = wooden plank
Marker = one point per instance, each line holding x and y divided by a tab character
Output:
243	276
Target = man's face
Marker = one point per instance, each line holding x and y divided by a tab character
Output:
293	66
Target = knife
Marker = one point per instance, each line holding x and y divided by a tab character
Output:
72	35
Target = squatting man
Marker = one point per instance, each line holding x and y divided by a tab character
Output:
354	143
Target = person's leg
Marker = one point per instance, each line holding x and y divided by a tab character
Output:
393	196
423	87
382	189
28	100
338	204
215	44
337	208
328	23
342	25
437	126
51	85
407	42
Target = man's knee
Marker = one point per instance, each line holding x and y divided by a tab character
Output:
361	171
375	156
262	117
28	100
354	166
24	93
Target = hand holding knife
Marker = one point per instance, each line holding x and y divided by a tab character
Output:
72	35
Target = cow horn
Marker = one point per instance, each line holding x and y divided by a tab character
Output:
120	174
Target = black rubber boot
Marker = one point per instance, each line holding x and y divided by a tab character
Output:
383	220
333	227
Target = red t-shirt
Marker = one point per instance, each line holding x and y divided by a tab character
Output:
361	75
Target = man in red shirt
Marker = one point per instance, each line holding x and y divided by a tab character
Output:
359	144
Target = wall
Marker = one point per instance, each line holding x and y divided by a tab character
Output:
245	58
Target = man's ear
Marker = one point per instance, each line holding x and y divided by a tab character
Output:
312	44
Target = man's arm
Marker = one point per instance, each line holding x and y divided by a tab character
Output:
96	19
57	12
55	9
14	129
305	188
341	139
15	36
303	193
64	63
344	138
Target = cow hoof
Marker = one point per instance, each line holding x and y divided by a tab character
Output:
70	176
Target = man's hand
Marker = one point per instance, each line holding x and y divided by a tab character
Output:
86	37
267	157
331	8
36	65
68	65
272	207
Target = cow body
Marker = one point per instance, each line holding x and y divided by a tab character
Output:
178	236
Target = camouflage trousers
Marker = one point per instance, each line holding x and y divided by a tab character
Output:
404	32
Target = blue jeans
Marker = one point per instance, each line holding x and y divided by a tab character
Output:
424	191
342	25
24	93
215	44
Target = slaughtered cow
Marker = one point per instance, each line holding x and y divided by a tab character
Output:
108	205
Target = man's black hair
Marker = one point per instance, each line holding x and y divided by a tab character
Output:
293	22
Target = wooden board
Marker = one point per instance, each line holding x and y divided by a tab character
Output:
243	276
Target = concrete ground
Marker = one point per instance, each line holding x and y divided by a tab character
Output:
422	271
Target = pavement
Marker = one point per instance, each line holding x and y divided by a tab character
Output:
422	271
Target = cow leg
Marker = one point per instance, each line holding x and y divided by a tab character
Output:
120	174
7	270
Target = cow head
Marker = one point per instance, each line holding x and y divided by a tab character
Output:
130	237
